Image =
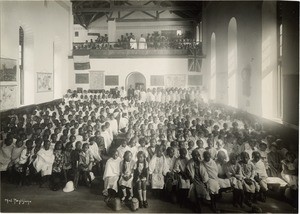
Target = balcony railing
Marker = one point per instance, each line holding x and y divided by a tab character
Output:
113	50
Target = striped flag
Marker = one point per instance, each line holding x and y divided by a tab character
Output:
81	59
194	64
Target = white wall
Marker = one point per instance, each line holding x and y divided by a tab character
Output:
123	67
46	25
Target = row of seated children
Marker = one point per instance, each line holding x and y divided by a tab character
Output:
196	176
169	123
43	162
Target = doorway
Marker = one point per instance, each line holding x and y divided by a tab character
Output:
137	80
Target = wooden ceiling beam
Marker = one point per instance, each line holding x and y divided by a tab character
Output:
135	8
155	20
149	14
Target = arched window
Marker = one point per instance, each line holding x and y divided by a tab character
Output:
271	61
213	65
232	62
21	64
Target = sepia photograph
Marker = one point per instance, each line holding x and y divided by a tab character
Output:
149	106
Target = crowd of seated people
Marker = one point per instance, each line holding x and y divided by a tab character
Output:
173	143
151	41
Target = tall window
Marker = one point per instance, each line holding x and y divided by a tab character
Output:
213	65
232	62
279	73
21	64
271	57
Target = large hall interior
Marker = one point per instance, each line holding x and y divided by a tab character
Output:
149	106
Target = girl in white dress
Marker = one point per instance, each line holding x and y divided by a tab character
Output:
127	167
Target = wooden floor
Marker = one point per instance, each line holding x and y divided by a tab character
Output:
85	200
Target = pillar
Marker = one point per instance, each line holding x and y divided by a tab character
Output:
112	27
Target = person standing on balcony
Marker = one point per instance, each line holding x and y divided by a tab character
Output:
142	43
133	44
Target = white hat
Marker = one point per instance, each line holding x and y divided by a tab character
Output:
92	176
69	187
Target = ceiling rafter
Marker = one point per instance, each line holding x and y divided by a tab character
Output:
87	11
135	8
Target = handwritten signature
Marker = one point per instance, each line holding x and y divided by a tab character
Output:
17	201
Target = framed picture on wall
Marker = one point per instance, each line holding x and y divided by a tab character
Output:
44	82
8	70
8	97
111	80
82	78
195	80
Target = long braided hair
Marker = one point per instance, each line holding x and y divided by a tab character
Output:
124	161
144	163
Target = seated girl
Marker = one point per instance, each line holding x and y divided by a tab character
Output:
210	148
86	162
171	177
112	173
214	183
249	183
44	161
233	173
133	148
261	175
290	170
123	148
180	169
199	178
151	149
67	162
143	147
6	150
158	168
200	148
125	182
56	175
140	178
21	165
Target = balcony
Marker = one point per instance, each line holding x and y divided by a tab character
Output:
109	50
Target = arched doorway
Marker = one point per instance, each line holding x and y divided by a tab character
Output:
136	79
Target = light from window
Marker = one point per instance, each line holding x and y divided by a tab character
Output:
213	78
280	40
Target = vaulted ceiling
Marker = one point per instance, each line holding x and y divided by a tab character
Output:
85	12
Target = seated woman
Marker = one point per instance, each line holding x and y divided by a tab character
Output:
111	173
198	176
